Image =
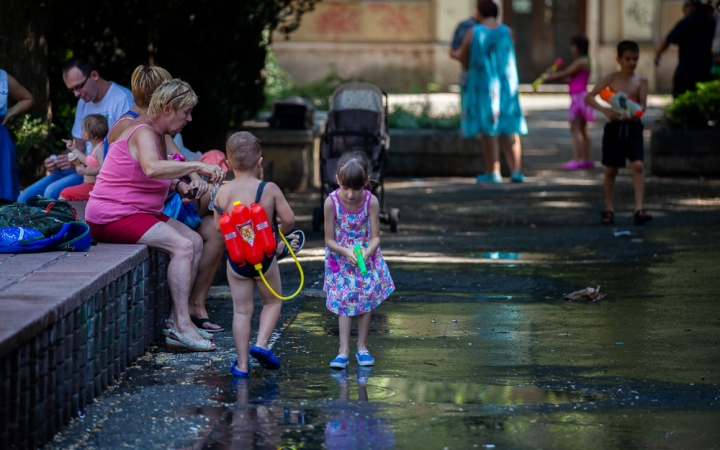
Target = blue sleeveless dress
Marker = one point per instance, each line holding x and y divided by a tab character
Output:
491	103
9	177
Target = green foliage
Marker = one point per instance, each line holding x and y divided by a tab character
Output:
279	85
218	46
417	117
695	109
34	141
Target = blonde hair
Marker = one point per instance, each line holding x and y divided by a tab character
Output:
174	93
243	151
353	170
144	81
95	125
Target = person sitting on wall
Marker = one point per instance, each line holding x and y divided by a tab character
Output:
95	96
127	202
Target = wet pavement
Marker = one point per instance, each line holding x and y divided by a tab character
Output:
476	348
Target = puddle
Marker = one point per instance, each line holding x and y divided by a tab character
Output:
501	255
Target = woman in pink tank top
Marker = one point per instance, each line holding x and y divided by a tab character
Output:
126	204
579	113
145	79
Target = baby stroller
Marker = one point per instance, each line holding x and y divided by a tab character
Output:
357	121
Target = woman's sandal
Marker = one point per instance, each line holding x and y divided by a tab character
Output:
203	334
200	322
607	217
180	342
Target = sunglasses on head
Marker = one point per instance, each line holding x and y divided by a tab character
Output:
79	86
178	96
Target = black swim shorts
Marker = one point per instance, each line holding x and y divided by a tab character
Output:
622	139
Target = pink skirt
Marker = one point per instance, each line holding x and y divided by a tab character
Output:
578	108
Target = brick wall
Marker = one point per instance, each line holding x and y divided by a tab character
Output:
55	371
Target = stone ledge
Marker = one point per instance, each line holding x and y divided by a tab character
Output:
70	323
36	289
685	152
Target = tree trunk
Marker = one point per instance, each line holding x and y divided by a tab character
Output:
24	50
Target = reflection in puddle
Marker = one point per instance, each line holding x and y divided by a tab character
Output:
501	255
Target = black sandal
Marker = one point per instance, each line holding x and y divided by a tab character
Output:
607	217
641	217
200	322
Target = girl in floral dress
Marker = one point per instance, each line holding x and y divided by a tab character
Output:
352	216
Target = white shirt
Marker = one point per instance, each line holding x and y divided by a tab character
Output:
116	102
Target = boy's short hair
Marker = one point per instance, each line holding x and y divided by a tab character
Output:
243	151
95	125
144	81
487	8
581	42
627	46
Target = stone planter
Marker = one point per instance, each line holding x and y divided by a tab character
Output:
436	153
685	152
288	157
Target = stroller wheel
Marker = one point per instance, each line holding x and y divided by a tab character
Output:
394	219
317	219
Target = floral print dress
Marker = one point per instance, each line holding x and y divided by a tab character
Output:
349	293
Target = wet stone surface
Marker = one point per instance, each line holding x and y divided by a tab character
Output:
473	350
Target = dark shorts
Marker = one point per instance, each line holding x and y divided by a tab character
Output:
622	139
127	230
248	271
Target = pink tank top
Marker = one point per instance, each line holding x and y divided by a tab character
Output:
578	82
122	188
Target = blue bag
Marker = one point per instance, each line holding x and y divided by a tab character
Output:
72	237
182	212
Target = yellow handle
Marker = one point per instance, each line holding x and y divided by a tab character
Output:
258	267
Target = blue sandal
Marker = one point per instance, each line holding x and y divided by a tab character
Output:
265	357
237	372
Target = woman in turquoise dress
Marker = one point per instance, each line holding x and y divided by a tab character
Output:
9	177
491	104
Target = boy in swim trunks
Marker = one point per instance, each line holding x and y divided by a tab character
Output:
623	135
245	158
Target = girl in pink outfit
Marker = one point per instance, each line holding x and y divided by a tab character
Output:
580	113
94	130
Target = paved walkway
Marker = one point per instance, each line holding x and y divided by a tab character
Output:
476	348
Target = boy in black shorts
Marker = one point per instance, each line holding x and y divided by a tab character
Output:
622	138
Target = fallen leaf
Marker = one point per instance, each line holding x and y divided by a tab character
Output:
588	294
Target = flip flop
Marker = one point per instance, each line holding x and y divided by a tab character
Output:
199	323
301	242
265	357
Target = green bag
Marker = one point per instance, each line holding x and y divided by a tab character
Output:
43	214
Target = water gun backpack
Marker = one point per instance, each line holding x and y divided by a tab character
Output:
42	224
249	237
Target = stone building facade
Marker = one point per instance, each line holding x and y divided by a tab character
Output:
402	45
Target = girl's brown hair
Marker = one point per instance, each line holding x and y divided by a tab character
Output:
353	170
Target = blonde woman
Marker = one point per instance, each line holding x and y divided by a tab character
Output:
126	204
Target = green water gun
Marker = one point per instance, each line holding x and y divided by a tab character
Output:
358	250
